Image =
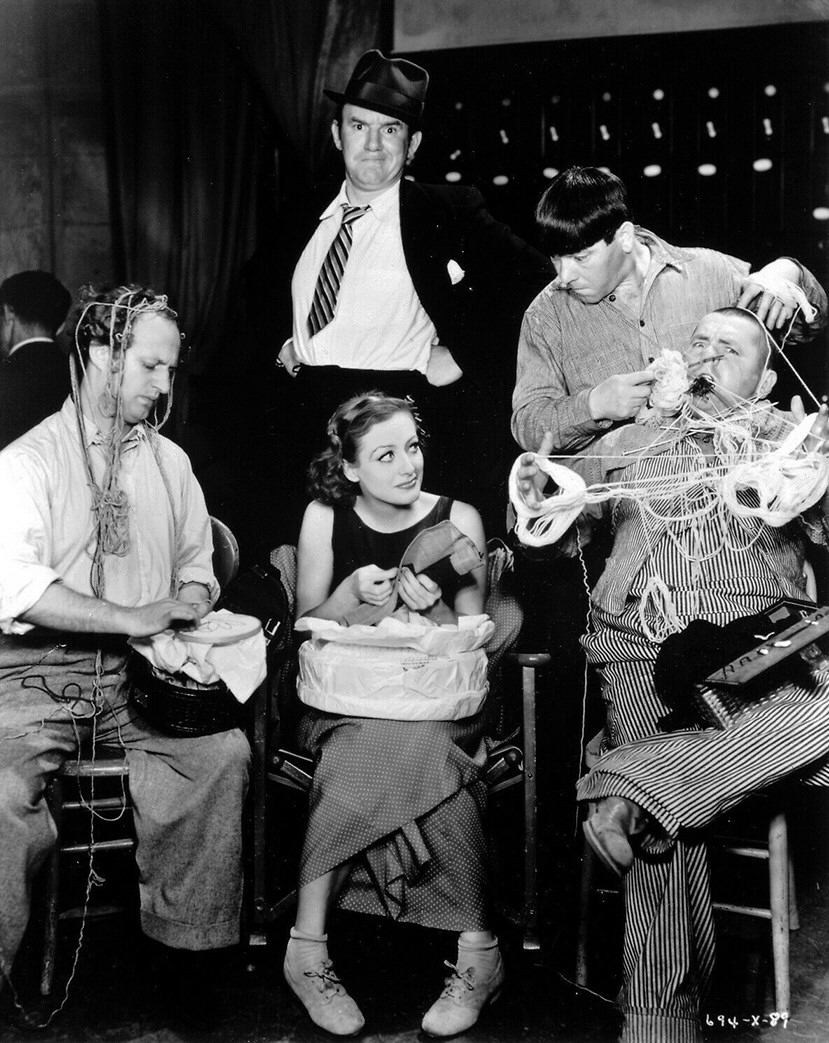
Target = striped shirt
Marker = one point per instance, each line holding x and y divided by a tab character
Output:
638	454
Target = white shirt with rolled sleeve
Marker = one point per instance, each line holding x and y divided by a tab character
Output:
379	322
47	526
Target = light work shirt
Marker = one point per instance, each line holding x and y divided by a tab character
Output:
379	322
47	526
567	347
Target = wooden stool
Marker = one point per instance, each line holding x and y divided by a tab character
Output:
781	910
782	907
100	768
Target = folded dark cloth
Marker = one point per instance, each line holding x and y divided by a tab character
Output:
687	658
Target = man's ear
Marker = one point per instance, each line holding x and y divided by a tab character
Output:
8	313
767	382
99	355
625	236
414	145
335	134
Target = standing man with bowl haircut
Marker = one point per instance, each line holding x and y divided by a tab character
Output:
621	295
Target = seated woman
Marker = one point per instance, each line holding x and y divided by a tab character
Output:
395	821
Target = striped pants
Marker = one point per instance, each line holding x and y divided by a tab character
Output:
685	780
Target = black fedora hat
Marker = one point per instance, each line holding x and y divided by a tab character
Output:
392	86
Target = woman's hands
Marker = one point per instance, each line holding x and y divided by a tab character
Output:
419	593
372	584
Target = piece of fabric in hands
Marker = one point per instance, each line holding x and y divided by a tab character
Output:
427	550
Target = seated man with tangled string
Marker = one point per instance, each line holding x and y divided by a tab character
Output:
104	535
706	498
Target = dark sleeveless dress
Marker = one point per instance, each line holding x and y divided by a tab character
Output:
403	799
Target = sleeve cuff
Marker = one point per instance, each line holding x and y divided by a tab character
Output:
39	579
197	575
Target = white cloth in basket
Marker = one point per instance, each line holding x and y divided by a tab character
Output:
396	670
240	665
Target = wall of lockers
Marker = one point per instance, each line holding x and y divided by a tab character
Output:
721	137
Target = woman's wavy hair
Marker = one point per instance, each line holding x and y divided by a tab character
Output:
351	421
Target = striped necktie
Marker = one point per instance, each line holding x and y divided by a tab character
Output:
331	273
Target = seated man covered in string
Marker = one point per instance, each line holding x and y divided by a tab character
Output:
104	535
706	506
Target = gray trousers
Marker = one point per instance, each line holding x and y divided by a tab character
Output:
187	793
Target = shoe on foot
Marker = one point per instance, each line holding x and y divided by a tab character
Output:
321	992
465	995
608	829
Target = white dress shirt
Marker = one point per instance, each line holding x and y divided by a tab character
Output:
379	322
46	522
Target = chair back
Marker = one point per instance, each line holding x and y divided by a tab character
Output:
502	604
225	553
504	609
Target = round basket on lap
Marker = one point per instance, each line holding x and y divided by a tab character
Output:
178	705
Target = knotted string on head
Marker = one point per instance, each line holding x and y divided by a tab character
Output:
108	316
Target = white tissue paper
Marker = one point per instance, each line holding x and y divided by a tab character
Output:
240	665
396	670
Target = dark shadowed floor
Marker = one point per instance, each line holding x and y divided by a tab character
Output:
395	972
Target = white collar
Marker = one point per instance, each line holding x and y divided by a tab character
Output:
31	340
381	206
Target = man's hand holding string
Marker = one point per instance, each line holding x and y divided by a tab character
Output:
773	312
531	479
818	439
620	397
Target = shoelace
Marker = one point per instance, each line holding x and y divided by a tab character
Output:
326	978
459	981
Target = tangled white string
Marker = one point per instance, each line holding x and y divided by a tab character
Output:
785	481
747	477
538	525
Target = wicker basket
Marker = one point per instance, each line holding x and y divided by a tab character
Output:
177	705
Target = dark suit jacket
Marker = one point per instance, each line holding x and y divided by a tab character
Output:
34	383
475	318
481	314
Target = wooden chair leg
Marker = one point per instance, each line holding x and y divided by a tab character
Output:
779	907
588	861
528	678
54	798
794	915
259	814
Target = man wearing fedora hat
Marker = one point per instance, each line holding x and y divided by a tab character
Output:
411	288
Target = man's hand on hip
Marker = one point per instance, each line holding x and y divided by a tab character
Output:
441	368
287	359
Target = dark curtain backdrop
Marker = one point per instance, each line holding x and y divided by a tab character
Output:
188	87
295	48
182	158
196	95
